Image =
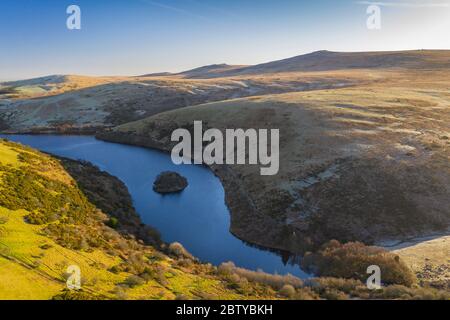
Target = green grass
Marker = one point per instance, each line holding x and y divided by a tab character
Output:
8	156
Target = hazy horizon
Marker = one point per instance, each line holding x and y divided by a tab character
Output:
183	70
128	38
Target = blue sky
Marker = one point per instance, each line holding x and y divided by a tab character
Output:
130	37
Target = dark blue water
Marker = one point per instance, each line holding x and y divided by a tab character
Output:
198	217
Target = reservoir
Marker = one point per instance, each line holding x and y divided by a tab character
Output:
198	217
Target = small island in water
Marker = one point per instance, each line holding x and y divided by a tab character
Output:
170	182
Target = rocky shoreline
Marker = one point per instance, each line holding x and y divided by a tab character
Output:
111	195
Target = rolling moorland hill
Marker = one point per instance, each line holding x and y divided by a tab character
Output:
120	100
201	72
89	104
329	61
56	213
326	61
50	85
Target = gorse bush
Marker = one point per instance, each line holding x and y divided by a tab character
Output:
46	200
405	293
76	237
351	260
113	223
338	289
179	251
288	291
3	231
59	206
134	281
275	281
78	295
348	286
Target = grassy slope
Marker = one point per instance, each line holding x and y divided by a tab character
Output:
78	103
73	105
33	263
52	85
429	258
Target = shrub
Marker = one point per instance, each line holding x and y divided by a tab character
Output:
113	223
332	294
287	291
161	278
158	256
273	280
115	269
405	293
226	268
305	294
179	251
351	260
136	263
134	281
120	293
348	286
3	231
46	246
77	295
337	289
185	263
207	296
150	235
46	200
181	297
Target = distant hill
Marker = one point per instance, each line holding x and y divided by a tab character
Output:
51	79
72	103
214	70
157	74
53	84
328	60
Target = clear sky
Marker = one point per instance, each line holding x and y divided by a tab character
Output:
131	37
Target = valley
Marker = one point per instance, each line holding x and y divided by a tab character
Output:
364	159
